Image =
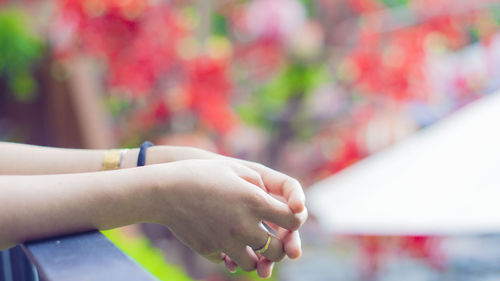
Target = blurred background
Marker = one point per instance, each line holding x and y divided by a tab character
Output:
307	87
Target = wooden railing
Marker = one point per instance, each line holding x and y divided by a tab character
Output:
81	257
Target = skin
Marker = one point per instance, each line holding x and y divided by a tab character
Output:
212	203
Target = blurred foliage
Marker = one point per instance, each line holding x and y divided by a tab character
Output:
394	3
296	81
307	86
19	50
152	259
141	250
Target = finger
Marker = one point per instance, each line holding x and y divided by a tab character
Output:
250	175
290	239
258	240
292	244
265	268
244	257
230	264
288	187
282	185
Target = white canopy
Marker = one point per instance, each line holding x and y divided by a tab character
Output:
443	180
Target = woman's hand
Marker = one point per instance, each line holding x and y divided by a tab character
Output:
283	186
276	183
217	206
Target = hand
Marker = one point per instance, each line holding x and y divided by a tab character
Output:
275	182
289	190
216	208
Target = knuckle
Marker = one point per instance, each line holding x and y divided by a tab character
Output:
259	166
254	174
238	231
254	201
295	222
294	182
222	164
233	164
278	257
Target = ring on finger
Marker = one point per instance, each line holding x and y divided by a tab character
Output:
264	248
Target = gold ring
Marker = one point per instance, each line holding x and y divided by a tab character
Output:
263	249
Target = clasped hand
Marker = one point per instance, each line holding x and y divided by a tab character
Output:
218	205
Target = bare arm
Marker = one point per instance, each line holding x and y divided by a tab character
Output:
213	206
18	159
34	207
22	159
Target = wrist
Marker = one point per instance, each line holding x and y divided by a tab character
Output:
157	154
160	184
129	159
165	154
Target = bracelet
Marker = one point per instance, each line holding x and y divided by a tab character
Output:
113	159
141	159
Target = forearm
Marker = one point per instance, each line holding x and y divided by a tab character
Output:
33	207
164	154
21	159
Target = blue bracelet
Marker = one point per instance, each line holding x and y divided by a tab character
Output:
141	159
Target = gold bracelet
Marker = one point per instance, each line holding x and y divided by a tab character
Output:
113	159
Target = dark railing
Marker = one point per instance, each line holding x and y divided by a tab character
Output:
82	257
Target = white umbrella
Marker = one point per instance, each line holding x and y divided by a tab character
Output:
443	180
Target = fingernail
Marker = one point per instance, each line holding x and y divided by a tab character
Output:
270	271
298	208
296	256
